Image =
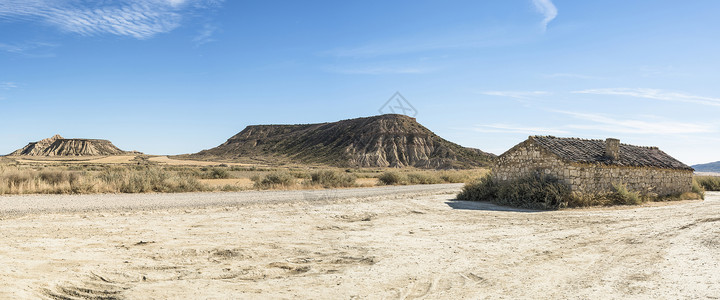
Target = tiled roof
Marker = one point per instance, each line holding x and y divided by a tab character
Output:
593	151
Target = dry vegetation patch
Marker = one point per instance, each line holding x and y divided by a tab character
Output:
708	183
540	191
145	176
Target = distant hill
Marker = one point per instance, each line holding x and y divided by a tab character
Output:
708	167
59	146
380	141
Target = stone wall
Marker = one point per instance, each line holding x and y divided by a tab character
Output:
527	157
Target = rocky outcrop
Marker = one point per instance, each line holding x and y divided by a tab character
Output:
59	146
379	141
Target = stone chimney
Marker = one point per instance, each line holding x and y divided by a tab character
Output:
612	148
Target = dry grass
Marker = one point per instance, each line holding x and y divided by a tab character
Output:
58	180
147	176
708	183
430	177
540	191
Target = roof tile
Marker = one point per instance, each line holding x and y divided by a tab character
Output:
593	151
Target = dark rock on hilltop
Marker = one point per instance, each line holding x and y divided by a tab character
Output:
59	146
379	141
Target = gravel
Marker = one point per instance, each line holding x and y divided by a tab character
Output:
30	204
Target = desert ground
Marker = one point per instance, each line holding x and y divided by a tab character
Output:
395	242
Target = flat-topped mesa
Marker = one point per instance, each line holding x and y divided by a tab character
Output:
59	146
379	141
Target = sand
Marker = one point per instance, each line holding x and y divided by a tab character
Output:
411	242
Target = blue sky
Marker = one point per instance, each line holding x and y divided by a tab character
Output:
179	76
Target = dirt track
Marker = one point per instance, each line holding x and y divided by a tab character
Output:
397	242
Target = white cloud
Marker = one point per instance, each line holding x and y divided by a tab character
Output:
609	124
205	35
488	37
31	49
507	128
547	9
515	94
654	94
570	75
139	19
7	85
379	70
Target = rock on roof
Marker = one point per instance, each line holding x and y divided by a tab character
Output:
593	151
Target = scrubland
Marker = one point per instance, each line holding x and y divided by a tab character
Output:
147	176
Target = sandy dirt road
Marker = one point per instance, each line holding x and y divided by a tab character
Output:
411	242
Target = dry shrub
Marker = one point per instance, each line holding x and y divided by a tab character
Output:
215	173
708	183
483	189
698	189
535	191
332	179
392	178
431	177
274	180
455	177
150	179
231	188
540	191
621	196
423	178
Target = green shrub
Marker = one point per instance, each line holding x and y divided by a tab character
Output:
708	183
274	180
454	177
423	178
622	196
332	179
300	174
145	179
231	188
17	179
218	173
535	191
53	177
392	178
698	189
483	189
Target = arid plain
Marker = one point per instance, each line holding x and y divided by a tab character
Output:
407	242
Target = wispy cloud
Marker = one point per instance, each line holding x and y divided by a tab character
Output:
515	94
570	75
509	128
422	44
656	126
139	19
30	49
547	9
379	70
205	35
654	94
7	85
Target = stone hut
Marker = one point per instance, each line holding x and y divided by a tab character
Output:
593	166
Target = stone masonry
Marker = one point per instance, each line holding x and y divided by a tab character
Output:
586	176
